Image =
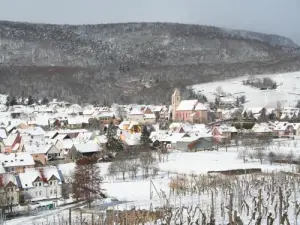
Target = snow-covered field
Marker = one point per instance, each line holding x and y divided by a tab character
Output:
137	192
288	91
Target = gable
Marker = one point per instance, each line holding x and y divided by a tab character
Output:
53	178
148	111
38	179
53	150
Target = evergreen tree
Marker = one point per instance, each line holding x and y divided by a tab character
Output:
145	137
30	100
113	142
45	101
11	101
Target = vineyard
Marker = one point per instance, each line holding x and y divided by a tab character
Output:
257	199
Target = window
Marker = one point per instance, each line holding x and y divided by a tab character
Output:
50	192
12	199
36	194
50	182
40	193
40	184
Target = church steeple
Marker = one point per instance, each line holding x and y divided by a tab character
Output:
175	103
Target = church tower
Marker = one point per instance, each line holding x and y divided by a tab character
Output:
175	103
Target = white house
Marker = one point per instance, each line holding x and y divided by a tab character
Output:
136	115
41	183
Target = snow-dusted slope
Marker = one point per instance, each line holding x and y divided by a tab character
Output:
288	91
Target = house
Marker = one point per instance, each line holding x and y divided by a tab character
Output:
40	184
74	122
16	162
72	133
223	132
88	149
130	126
150	118
9	190
283	129
130	140
136	115
200	144
262	130
108	117
64	146
43	152
188	110
12	142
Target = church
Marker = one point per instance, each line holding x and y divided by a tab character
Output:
188	110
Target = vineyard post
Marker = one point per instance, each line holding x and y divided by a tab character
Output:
212	213
259	203
280	205
295	200
230	208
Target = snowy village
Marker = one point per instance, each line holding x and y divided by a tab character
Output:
62	163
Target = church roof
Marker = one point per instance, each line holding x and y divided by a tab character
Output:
187	105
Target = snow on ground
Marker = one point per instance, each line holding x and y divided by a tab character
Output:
186	163
137	192
288	91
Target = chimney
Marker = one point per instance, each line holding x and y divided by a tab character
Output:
44	179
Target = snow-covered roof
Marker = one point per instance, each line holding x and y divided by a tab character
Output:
101	139
226	129
187	105
200	106
282	126
3	134
31	174
261	128
67	143
75	131
136	111
133	139
34	131
173	137
83	137
124	123
86	147
16	159
9	141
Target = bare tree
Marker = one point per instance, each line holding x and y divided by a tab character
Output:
243	153
134	168
123	167
87	180
259	153
147	160
220	91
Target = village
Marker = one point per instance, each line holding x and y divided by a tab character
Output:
37	138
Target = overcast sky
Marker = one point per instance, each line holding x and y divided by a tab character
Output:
269	16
